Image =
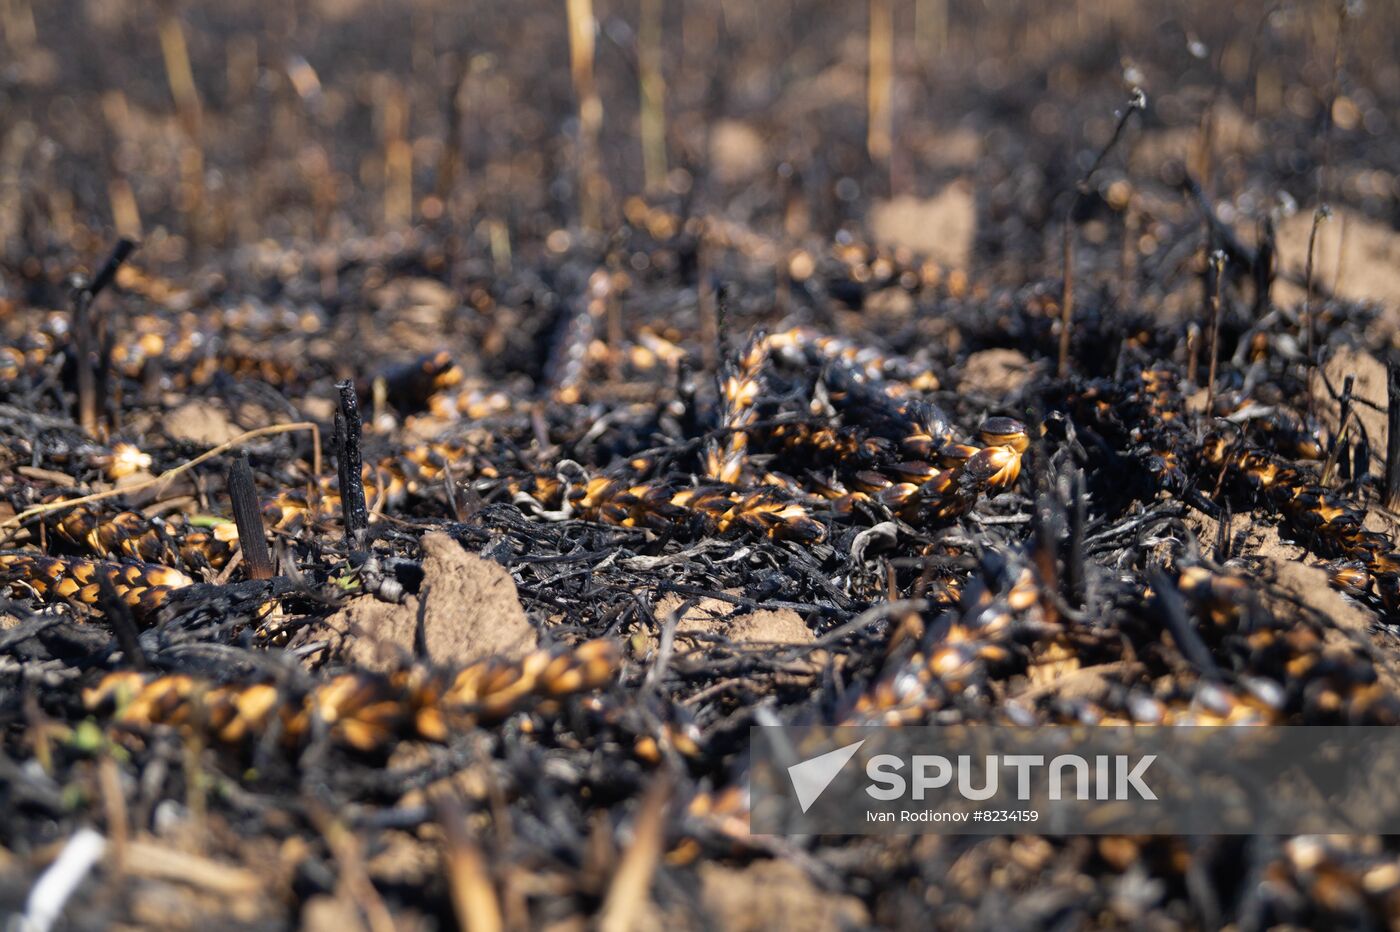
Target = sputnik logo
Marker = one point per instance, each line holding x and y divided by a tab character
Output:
811	777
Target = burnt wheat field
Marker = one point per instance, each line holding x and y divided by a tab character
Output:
433	433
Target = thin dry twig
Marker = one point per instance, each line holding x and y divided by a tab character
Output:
165	477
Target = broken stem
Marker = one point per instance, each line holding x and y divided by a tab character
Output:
83	350
247	515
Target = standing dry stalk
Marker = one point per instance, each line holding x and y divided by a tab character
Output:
17	18
1342	226
1201	163
1319	219
1193	352
498	235
83	333
590	111
1217	261
180	76
398	157
126	215
353	511
879	134
241	56
930	28
450	162
653	92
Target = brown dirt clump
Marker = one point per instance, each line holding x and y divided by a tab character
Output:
942	228
467	609
716	617
774	895
737	151
996	371
202	422
1308	585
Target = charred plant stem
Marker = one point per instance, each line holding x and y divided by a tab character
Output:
88	342
83	349
248	516
1217	260
1264	268
124	629
1343	422
1319	217
108	273
352	487
1392	437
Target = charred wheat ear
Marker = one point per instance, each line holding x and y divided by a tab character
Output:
248	516
1137	102
354	513
1392	437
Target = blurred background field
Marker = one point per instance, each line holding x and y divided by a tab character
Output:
203	126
